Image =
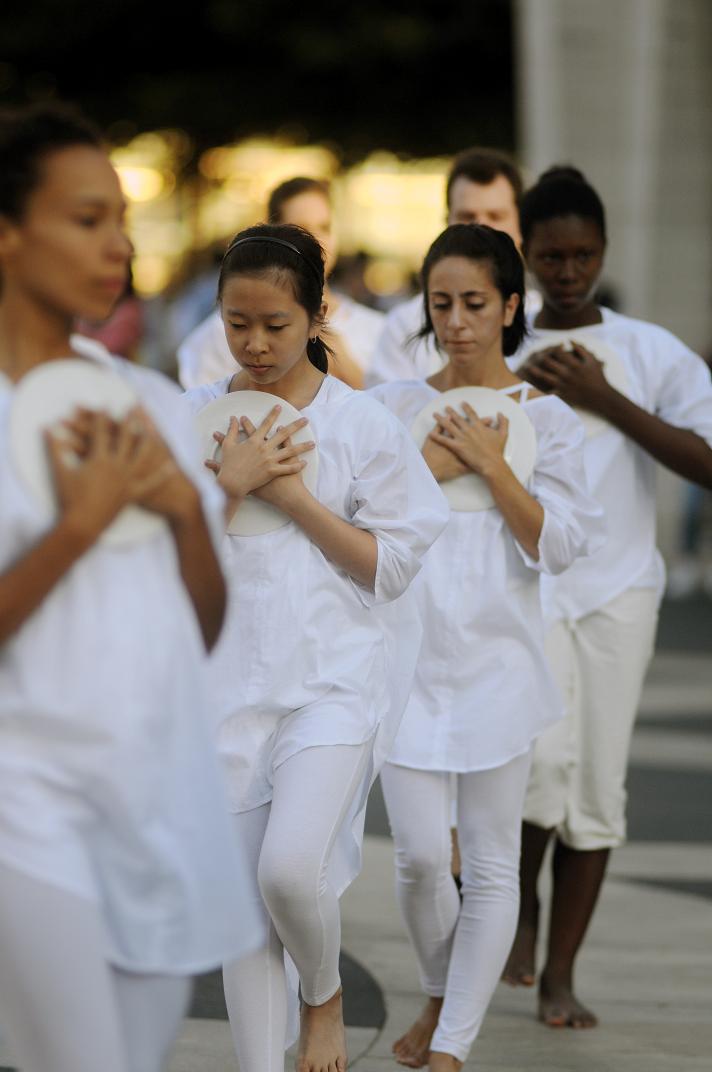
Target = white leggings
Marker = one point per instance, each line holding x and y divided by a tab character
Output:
63	1008
461	948
288	843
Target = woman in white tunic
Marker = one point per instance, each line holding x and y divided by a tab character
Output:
354	329
601	614
301	669
117	868
482	688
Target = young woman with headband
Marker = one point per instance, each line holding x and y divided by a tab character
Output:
601	614
304	669
353	330
116	861
482	689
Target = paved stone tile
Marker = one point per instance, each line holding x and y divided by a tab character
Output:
646	970
206	1046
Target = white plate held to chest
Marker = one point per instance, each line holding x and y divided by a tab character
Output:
470	493
613	368
44	398
254	517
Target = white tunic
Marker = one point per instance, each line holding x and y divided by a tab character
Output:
482	688
109	782
665	378
305	658
204	355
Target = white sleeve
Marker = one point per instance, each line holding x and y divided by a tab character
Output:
204	355
395	497
391	360
574	523
683	392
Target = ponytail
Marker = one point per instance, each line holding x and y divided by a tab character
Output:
318	353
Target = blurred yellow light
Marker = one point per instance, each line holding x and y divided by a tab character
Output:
215	164
386	206
141	183
391	208
151	274
384	276
266	162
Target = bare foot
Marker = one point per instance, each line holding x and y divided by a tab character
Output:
520	968
322	1039
443	1062
559	1008
412	1048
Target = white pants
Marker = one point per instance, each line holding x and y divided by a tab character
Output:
461	949
577	784
62	1007
288	843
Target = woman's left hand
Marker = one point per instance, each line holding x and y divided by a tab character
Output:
478	442
575	375
284	491
157	483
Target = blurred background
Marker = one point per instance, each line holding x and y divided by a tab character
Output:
209	106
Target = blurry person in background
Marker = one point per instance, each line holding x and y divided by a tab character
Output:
348	278
483	186
195	298
121	333
353	329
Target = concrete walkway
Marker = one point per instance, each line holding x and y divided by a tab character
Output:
646	970
647	965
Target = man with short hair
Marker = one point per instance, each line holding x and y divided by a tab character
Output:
483	186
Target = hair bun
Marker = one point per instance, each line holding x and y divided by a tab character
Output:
562	171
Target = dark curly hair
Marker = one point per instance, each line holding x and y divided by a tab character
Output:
561	191
27	136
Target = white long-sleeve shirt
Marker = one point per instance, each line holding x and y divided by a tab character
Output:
308	656
482	688
666	378
110	786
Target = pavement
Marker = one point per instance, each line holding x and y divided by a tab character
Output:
646	968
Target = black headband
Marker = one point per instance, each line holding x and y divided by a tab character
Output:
277	242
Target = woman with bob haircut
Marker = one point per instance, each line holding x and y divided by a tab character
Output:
482	690
305	670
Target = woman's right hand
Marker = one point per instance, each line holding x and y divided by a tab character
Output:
93	480
443	464
249	464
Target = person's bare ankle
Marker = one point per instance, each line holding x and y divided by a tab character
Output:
412	1048
559	1006
520	969
322	1038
